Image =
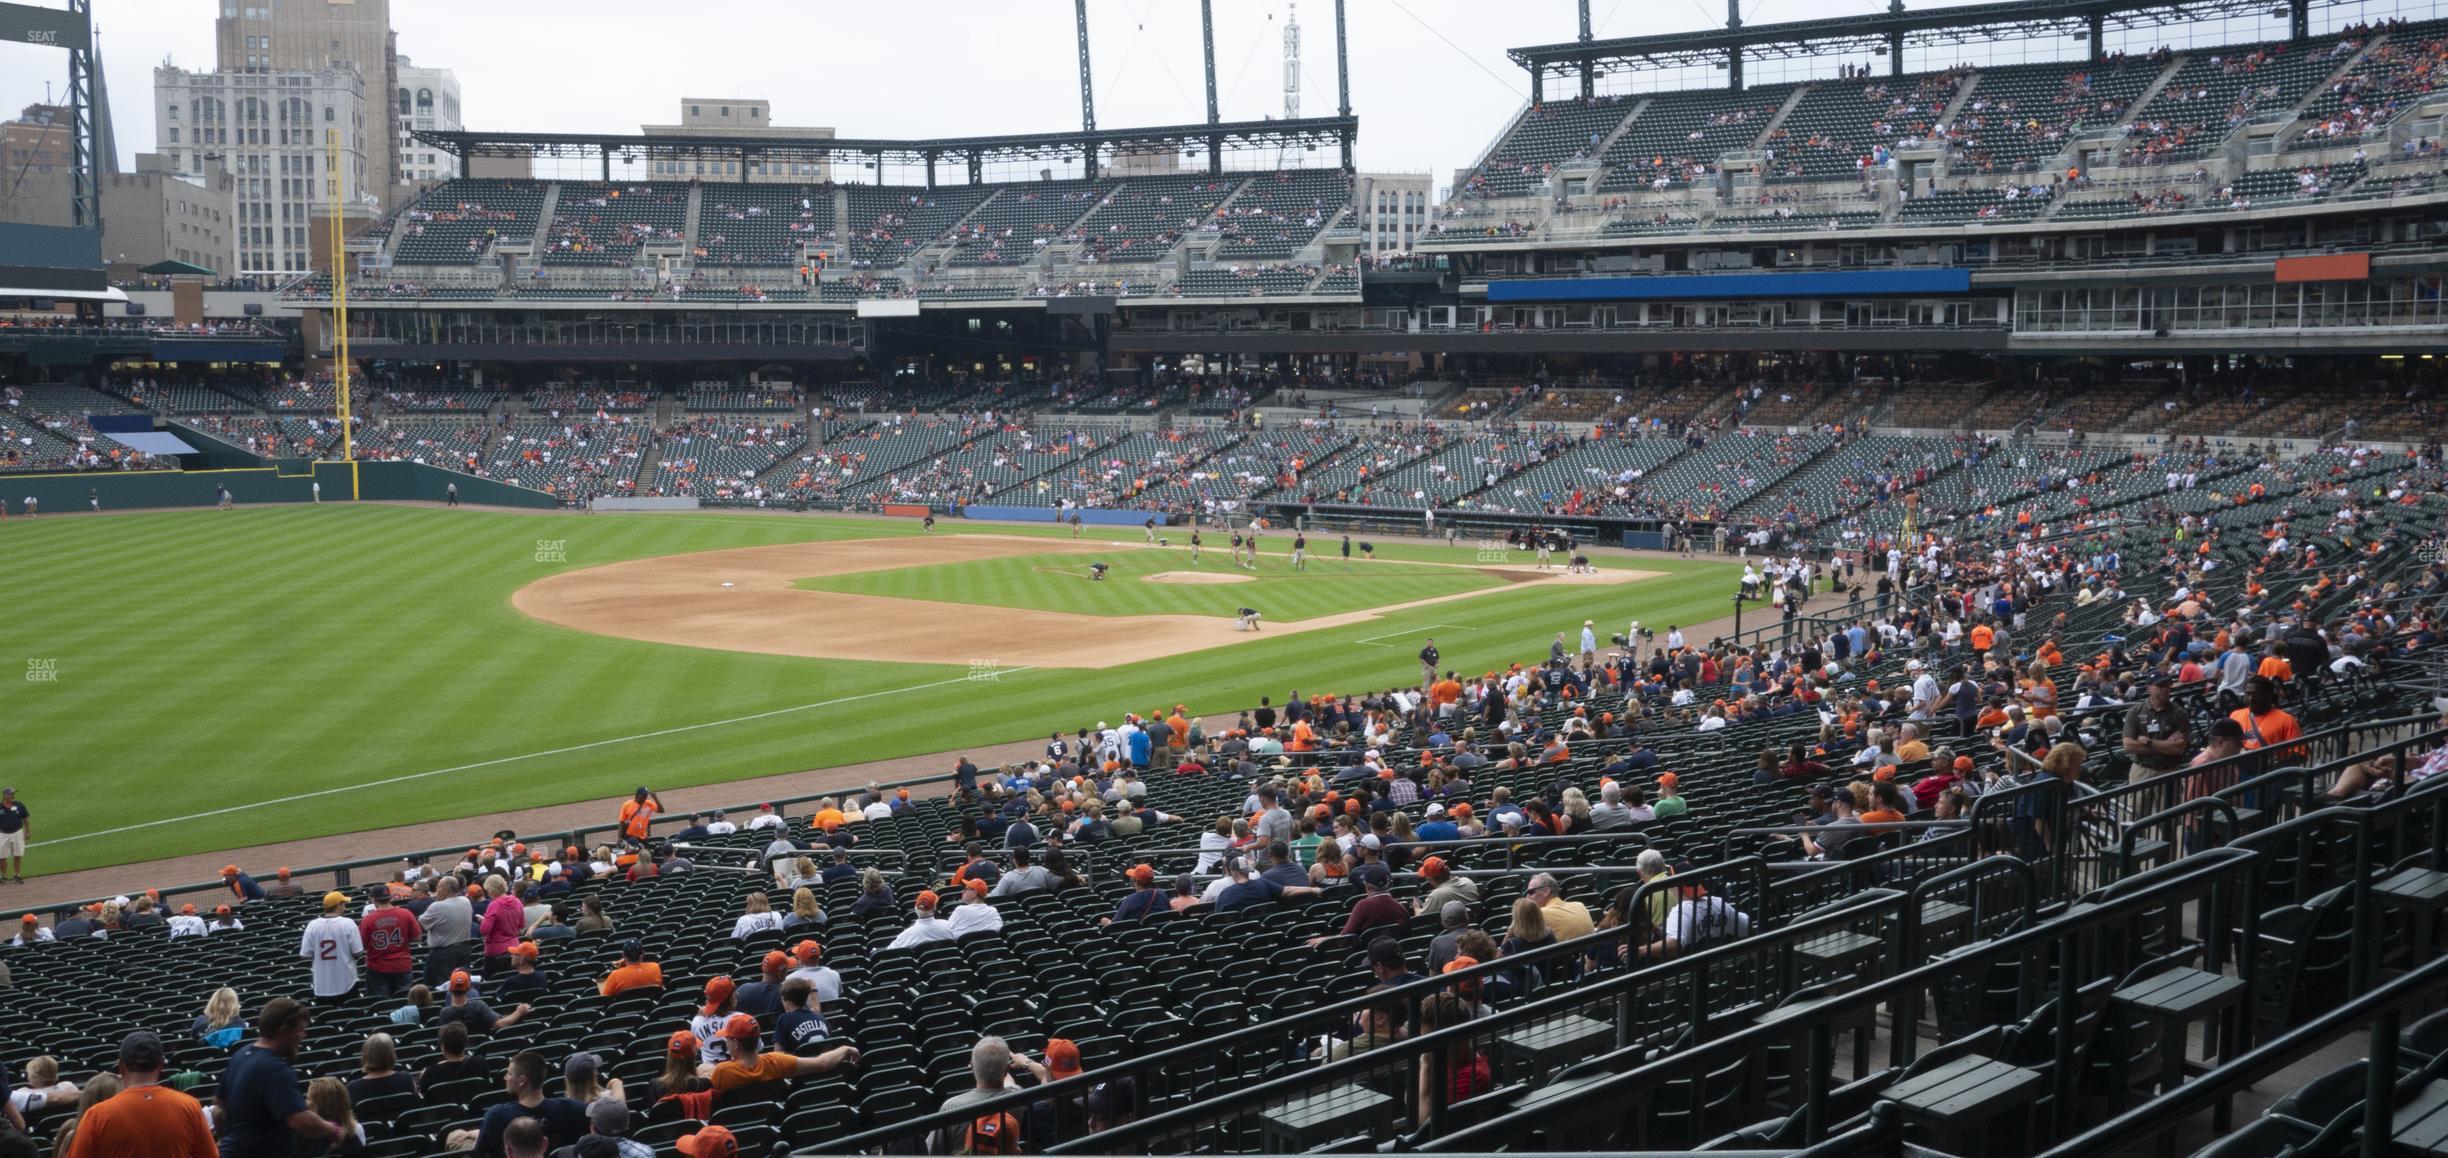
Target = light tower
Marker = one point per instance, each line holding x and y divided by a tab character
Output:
1292	69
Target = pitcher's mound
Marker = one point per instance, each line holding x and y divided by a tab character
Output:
1196	577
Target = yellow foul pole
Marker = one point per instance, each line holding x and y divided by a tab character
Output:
339	272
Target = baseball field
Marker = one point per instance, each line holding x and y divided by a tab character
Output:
201	680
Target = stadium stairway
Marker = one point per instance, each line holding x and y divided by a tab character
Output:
695	214
544	220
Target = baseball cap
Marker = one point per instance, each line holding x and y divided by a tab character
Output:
1432	867
808	952
633	949
1141	874
718	991
775	959
1454	914
526	950
187	910
334	899
1462	810
1963	763
711	1142
459	981
1435	809
927	898
739	1025
140	1052
229	870
1062	1057
582	1065
976	887
1668	780
683	1041
221	910
1371	841
281	872
1373	875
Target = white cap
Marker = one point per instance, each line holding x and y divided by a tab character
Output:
1372	753
1439	809
1371	841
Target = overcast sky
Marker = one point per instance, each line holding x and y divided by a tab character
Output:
1429	77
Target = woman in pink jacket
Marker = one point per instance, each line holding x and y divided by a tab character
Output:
505	921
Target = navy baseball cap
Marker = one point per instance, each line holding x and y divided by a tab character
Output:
141	1052
634	948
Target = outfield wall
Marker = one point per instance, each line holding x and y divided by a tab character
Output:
126	490
1091	518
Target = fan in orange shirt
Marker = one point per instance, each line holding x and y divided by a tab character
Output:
1983	637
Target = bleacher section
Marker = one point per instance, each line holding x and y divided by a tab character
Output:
1548	135
457	222
2389	80
1679	135
888	223
2219	89
762	225
1834	131
1143	219
1019	220
717	458
2020	116
1277	215
573	458
596	223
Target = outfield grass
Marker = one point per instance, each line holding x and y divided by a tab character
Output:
1061	583
223	679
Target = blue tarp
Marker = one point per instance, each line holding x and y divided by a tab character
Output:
1695	286
1050	514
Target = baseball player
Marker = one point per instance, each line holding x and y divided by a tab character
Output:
1347	552
1253	547
1300	551
1248	620
1546	546
1368	550
1151	530
1194	546
1428	658
1075	524
1236	548
1096	572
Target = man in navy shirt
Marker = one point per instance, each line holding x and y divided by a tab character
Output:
263	1112
1247	890
564	1120
799	1025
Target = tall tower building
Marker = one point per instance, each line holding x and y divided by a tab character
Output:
315	36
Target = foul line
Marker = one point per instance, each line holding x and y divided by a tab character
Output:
510	760
1423	629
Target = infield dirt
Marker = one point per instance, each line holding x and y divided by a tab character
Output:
744	600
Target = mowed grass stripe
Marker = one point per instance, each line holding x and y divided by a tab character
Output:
213	659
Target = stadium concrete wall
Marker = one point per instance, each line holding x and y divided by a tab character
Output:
1052	515
130	490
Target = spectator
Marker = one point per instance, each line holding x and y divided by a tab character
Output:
463	1005
875	895
746	1066
219	1025
456	1063
1444	887
1567	919
1377	909
525	1138
101	1089
633	971
1453	918
420	1003
43	1087
329	1099
141	1116
388	932
1024	877
583	1081
801	1022
448	923
1244	890
332	943
591	918
607	1119
721	999
1670	802
763	996
262	1113
242	887
378	1073
1142	900
525	979
924	927
1467	1071
563	1120
812	969
680	1077
1697	920
504	923
281	885
806	914
975	914
711	1142
992	1066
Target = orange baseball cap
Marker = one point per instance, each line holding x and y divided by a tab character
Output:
1062	1057
718	992
152	894
1668	780
927	898
776	960
220	910
1462	810
683	1042
739	1025
711	1142
229	870
1433	867
808	952
1885	772
186	910
1963	763
527	950
282	872
459	981
30	919
1141	874
975	885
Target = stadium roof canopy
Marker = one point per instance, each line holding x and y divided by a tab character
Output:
1215	139
1883	32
